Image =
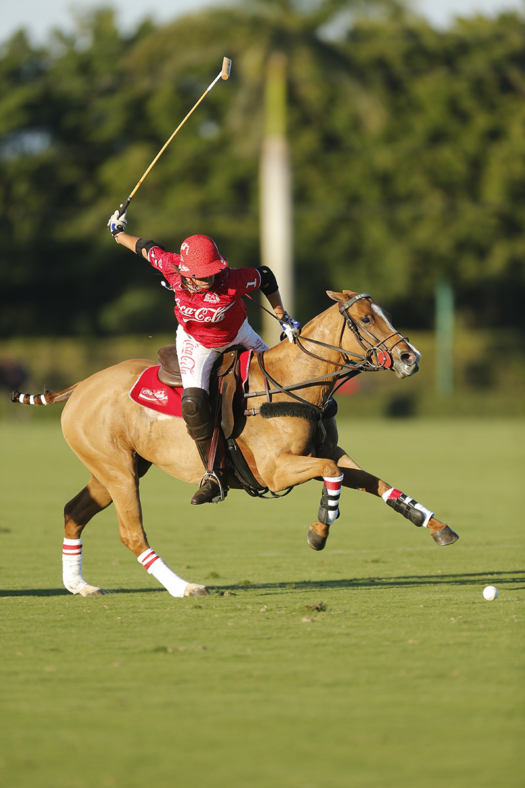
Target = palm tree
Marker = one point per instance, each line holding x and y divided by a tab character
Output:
276	202
286	61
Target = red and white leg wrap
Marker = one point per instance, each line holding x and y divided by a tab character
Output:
330	498
72	565
155	566
408	507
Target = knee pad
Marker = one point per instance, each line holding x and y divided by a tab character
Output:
196	412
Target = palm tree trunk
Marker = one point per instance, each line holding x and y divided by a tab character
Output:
276	209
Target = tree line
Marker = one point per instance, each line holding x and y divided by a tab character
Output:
407	143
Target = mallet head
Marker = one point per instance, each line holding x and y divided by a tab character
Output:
226	67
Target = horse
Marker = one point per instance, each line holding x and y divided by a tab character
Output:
118	440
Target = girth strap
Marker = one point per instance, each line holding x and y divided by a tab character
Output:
246	478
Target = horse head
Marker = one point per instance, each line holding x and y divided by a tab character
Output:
371	333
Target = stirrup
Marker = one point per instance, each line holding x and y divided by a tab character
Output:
213	477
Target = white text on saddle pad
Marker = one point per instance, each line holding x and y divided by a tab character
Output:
154	395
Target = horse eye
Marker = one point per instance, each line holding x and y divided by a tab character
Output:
366	319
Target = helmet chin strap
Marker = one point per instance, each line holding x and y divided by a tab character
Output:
189	284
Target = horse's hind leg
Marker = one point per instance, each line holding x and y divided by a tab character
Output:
77	513
125	495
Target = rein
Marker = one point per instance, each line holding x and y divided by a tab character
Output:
347	368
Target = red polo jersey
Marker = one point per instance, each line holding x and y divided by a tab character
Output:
212	318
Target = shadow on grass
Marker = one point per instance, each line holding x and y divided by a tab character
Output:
404	581
508	578
63	592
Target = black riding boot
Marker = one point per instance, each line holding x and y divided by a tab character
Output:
197	415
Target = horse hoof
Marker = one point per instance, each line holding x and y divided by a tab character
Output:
193	589
315	541
91	591
445	536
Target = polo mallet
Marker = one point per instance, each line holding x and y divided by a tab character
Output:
224	74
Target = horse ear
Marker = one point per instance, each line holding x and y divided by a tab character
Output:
336	296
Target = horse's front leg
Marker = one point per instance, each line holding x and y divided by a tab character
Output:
358	479
291	469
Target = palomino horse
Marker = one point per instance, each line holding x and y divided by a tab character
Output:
118	440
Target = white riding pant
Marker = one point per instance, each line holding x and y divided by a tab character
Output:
196	361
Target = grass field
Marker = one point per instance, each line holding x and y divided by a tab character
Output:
402	676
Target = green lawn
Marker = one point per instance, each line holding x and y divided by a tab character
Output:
405	677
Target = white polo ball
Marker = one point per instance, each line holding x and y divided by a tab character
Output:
490	593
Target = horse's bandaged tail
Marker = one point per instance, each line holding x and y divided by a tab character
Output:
47	398
408	507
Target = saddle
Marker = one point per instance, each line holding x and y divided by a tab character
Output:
227	398
225	382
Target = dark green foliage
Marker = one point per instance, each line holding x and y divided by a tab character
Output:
407	144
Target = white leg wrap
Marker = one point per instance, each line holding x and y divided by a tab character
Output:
155	566
333	486
72	565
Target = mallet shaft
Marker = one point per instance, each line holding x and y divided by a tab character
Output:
224	74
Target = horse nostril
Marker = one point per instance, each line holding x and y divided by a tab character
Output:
408	358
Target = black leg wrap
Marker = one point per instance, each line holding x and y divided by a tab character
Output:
406	506
326	506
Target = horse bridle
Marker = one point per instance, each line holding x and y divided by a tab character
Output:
379	350
376	357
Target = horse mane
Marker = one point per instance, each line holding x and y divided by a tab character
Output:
298	410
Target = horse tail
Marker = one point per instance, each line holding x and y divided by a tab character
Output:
47	398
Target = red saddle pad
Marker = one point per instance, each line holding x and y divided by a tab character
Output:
155	395
150	392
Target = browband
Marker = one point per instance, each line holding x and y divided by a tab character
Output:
348	304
